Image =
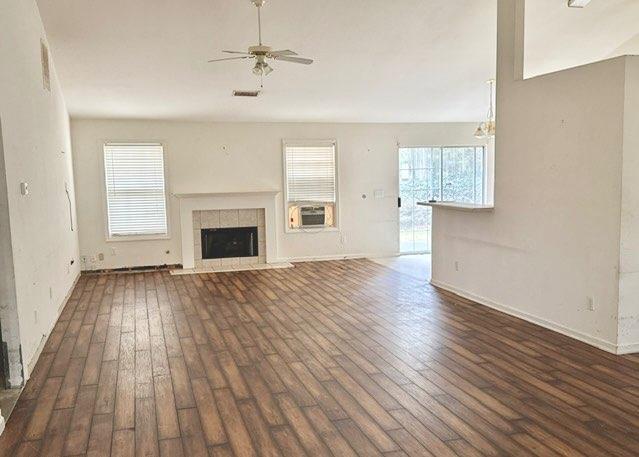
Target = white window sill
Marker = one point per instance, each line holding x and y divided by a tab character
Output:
312	230
125	238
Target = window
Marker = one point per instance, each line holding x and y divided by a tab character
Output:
135	190
435	173
311	184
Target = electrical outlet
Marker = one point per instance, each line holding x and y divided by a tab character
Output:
342	238
591	304
113	252
456	265
83	259
100	257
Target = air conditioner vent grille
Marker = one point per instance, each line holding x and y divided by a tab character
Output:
246	93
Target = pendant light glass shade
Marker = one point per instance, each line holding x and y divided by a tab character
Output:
491	128
262	69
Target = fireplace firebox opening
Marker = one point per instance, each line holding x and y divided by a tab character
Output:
222	243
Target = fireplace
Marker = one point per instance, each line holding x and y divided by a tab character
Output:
224	243
229	238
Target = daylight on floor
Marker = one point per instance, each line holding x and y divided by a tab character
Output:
338	228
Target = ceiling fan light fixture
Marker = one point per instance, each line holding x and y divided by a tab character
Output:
261	52
262	69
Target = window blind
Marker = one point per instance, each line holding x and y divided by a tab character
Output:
310	173
135	190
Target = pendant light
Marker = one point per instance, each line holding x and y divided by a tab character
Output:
486	130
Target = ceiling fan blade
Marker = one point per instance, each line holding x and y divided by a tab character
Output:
285	52
230	58
301	60
238	52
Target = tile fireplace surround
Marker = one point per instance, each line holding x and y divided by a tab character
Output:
226	210
229	218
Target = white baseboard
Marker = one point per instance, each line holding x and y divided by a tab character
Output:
36	355
630	348
588	339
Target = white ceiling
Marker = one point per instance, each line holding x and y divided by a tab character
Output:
376	60
558	37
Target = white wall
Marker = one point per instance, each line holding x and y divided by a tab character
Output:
553	239
252	160
35	132
629	262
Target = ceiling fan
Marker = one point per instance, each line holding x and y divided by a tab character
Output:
261	52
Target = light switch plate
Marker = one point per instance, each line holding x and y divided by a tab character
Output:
24	188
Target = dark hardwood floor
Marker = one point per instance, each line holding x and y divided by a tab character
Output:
333	358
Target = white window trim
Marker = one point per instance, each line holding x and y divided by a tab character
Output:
105	211
311	142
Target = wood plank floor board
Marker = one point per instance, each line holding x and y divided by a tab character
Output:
80	426
258	430
192	435
339	358
101	435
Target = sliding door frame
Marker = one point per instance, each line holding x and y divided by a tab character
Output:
484	178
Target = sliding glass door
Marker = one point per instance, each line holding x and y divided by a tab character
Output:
435	173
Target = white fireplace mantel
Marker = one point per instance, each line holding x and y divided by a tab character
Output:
205	201
225	193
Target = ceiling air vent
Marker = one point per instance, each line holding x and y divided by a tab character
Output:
578	3
246	93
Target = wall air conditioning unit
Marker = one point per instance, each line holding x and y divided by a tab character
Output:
313	216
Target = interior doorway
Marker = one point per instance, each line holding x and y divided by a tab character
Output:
11	374
443	173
